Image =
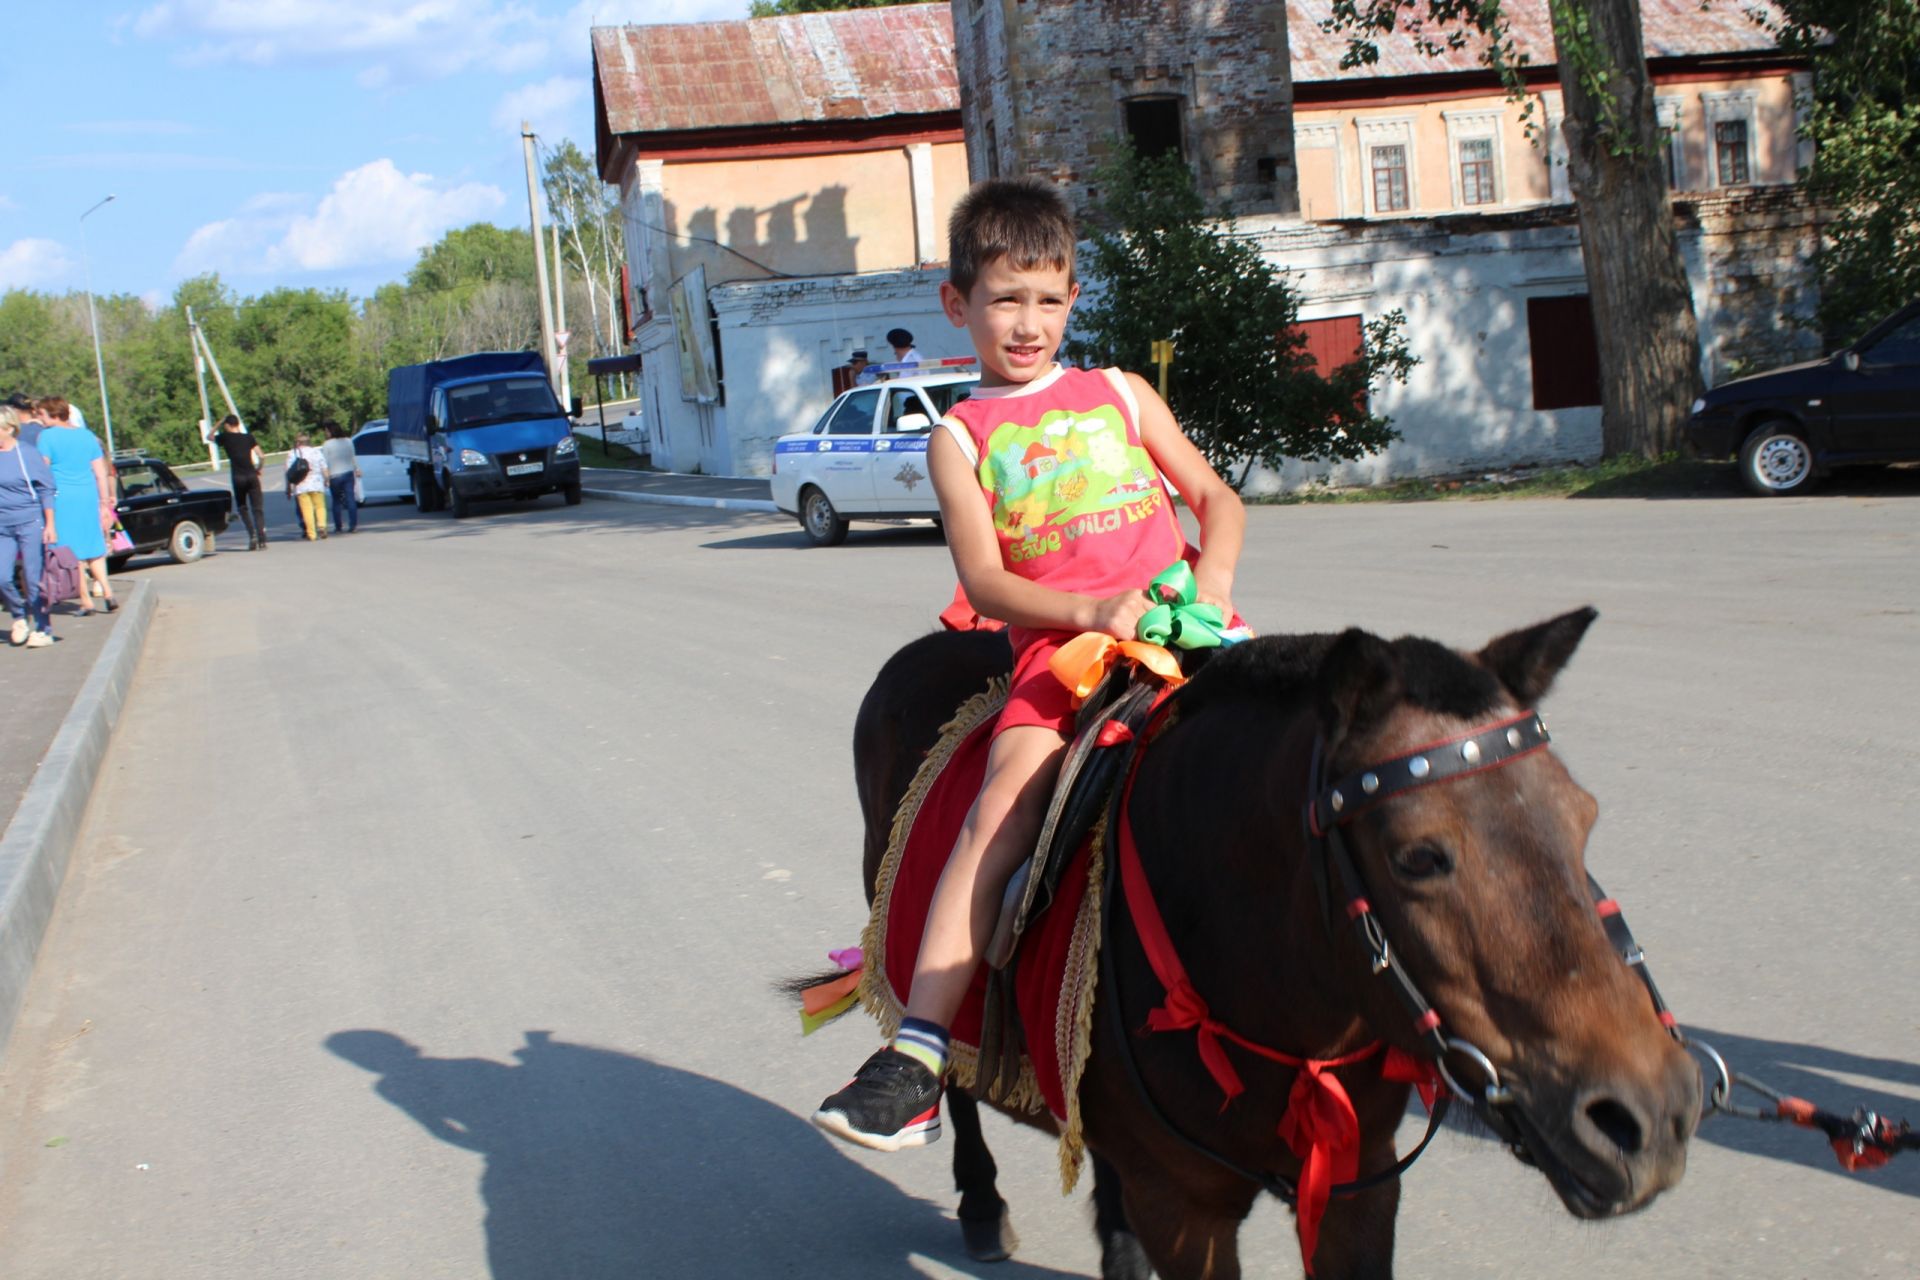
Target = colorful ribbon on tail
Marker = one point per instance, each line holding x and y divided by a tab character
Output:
1178	619
822	1002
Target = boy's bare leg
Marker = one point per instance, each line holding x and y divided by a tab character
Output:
894	1099
997	836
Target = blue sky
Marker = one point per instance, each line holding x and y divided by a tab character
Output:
303	142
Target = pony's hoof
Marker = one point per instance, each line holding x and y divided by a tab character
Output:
1122	1258
990	1239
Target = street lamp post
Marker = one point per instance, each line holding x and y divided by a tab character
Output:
93	322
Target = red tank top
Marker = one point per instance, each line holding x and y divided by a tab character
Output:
1077	502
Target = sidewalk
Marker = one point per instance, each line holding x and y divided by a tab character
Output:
62	704
671	489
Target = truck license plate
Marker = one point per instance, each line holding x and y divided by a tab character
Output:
525	468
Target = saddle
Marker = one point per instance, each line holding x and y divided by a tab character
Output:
1109	721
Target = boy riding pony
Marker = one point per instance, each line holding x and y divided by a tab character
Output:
1049	481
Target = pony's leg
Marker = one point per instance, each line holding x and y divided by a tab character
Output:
1120	1254
1185	1236
984	1223
1356	1235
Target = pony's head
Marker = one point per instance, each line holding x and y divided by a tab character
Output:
1479	881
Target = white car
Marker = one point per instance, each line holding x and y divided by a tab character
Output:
382	476
866	459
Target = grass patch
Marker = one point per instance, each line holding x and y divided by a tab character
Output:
1670	476
595	454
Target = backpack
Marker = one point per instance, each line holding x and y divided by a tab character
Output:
60	578
297	470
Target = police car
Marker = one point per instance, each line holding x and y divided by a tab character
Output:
866	458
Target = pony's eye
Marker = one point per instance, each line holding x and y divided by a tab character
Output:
1422	861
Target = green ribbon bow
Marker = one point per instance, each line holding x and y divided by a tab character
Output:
1177	619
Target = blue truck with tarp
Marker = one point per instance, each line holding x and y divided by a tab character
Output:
479	427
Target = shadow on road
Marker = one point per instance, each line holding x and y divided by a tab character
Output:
602	1165
1831	1079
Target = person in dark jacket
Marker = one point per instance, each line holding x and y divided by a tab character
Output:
243	465
26	530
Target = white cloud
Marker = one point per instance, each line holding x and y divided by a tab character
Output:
29	264
373	215
550	105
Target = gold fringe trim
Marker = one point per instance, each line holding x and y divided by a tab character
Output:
876	992
1073	1030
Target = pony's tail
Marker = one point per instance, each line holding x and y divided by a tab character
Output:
825	996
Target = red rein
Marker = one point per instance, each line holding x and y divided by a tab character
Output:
1319	1125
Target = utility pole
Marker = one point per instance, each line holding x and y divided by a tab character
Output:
214	364
93	322
539	261
200	376
560	319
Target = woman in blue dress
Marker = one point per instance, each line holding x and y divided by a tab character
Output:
83	508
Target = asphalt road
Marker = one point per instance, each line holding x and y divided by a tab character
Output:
438	877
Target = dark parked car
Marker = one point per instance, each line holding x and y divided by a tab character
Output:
1790	426
161	514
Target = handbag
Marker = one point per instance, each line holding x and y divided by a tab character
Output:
119	542
297	470
359	491
60	575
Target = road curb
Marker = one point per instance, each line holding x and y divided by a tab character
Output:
39	840
682	500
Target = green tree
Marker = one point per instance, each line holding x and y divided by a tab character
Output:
592	248
1864	122
1648	336
293	363
1242	384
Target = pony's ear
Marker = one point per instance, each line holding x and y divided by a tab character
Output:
1360	682
1527	661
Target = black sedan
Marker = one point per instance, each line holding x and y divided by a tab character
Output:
1790	426
161	514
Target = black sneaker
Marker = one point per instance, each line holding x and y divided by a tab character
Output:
893	1101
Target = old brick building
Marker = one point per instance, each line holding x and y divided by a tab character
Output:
1046	88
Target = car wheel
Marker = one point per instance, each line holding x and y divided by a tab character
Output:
1776	460
572	494
825	526
457	503
424	497
188	543
116	563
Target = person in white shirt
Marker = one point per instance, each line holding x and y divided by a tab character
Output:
902	343
343	473
309	492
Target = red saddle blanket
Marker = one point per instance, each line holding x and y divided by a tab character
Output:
1058	963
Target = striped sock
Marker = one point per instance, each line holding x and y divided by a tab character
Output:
925	1042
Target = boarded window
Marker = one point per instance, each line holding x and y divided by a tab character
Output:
1154	126
1389	179
1476	171
1566	358
1333	342
1730	152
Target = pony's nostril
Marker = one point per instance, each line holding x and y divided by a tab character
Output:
1619	1124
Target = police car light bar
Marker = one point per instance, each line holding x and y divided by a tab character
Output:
924	366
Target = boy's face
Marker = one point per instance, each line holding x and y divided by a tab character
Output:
1015	318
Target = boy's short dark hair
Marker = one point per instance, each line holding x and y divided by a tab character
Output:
230	422
1022	220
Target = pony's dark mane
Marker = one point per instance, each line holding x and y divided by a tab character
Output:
1281	670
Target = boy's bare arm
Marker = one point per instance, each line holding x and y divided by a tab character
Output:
995	592
1223	520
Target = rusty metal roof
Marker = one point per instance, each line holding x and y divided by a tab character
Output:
1672	29
851	64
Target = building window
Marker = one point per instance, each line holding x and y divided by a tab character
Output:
1730	153
1672	155
1332	344
1154	126
1476	171
1566	357
1389	179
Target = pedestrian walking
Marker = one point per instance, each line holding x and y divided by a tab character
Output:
243	468
343	478
27	412
27	527
307	485
86	505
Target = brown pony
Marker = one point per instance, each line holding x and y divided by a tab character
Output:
1478	883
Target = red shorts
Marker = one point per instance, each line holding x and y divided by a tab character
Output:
1037	697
